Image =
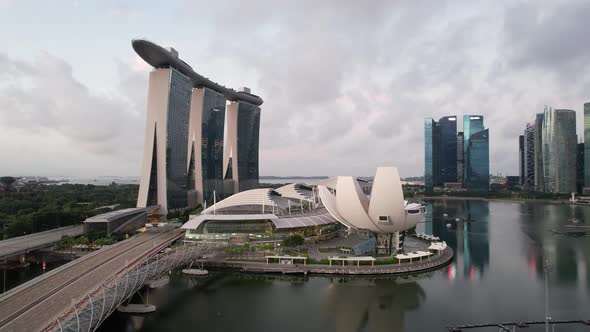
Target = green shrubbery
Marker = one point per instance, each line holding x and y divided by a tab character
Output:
293	241
69	241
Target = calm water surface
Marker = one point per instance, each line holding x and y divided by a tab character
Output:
497	275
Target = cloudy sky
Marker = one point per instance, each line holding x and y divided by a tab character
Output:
346	84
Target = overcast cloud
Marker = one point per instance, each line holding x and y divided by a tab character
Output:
346	84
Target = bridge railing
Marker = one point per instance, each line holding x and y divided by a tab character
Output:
89	311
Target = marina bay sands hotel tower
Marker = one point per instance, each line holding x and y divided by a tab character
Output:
201	138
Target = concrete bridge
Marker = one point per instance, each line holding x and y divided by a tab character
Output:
21	245
50	301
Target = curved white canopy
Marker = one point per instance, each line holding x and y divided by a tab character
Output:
386	212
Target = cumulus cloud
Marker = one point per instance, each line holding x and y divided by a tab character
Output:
346	84
43	99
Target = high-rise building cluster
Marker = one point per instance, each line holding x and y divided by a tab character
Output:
201	139
456	159
551	160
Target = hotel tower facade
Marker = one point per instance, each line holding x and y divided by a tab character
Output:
201	138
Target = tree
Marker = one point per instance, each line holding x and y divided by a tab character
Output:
293	240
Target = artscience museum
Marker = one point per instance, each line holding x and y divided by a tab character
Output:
316	211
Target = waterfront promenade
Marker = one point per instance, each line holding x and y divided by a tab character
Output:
425	265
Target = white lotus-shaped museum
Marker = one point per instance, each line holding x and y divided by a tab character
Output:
384	212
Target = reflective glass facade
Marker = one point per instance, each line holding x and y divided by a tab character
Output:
538	142
529	156
587	144
478	155
580	168
440	151
213	121
448	148
471	125
248	137
179	100
460	157
431	159
521	159
559	150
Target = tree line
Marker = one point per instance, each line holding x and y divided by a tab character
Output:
37	208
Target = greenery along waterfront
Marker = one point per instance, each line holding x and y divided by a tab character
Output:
41	207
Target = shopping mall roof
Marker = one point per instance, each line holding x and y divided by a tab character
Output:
280	223
113	215
263	200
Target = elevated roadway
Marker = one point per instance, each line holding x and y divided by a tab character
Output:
24	244
30	306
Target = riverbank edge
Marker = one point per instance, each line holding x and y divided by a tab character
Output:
503	200
436	263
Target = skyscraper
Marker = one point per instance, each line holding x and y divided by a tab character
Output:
529	156
478	156
460	158
448	148
471	125
580	168
440	151
431	158
559	150
587	146
184	144
164	171
241	154
538	147
521	159
206	143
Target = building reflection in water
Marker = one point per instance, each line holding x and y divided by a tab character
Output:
372	305
542	225
464	226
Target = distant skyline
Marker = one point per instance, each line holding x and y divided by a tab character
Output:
342	96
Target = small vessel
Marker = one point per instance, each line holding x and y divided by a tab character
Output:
195	272
457	219
449	225
445	215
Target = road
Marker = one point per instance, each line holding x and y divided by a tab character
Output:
23	244
31	308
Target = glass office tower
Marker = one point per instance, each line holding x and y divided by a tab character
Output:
559	150
580	168
471	125
538	148
440	150
529	156
478	154
431	158
448	148
460	157
587	145
521	159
